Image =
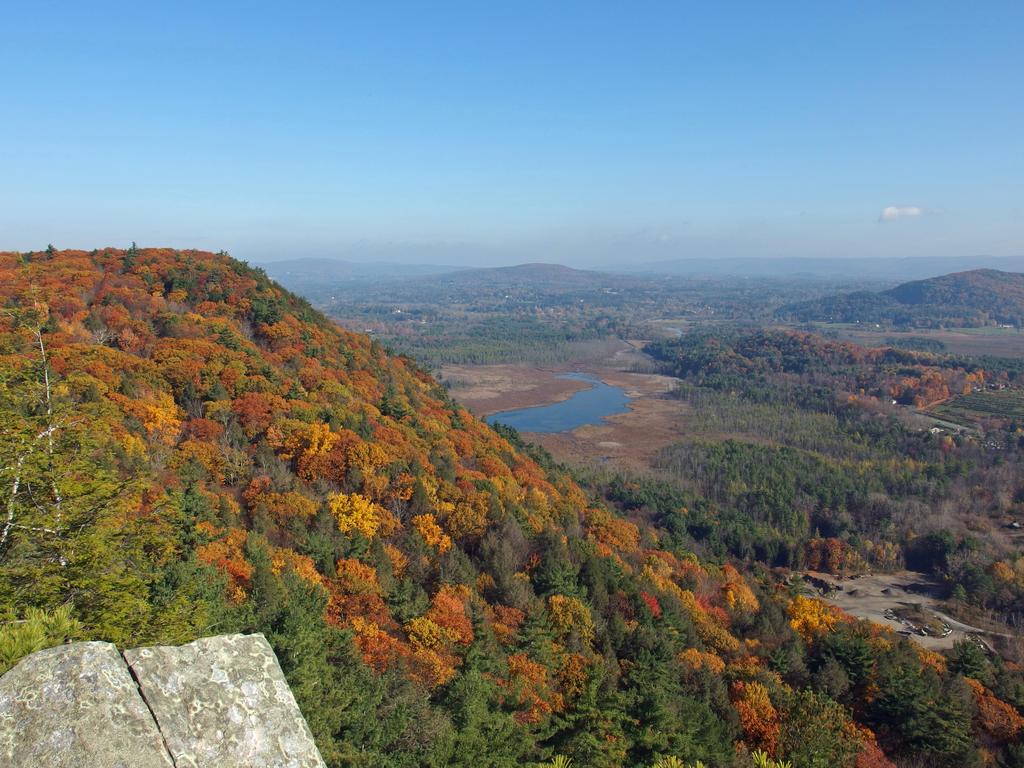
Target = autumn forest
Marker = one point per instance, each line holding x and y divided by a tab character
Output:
187	448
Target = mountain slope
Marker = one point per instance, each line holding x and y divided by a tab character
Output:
977	297
988	290
189	449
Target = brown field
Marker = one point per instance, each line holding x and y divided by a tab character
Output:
998	342
629	439
487	389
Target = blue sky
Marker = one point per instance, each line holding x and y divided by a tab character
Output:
588	133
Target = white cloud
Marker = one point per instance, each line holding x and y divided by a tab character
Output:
893	212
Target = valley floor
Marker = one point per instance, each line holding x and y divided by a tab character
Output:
629	439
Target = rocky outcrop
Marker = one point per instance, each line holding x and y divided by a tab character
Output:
220	702
75	706
223	701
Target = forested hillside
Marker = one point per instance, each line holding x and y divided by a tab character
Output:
978	297
809	453
187	449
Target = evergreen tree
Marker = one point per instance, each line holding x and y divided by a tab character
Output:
969	660
593	731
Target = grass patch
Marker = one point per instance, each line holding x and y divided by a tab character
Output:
1004	404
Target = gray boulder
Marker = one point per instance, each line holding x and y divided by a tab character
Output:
220	702
223	702
76	706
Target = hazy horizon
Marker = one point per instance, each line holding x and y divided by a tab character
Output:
398	254
580	134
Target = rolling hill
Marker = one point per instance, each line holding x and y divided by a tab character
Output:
322	279
964	299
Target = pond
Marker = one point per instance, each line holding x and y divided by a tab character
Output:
588	406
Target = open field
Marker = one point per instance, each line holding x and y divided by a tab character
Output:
1005	404
999	342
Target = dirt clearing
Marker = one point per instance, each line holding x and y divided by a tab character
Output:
885	597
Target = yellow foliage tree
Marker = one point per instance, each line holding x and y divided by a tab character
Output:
694	660
468	519
569	614
811	617
758	716
431	532
738	595
425	633
354	512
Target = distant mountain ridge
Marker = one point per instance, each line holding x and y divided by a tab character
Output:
321	279
524	274
304	273
317	278
913	268
974	298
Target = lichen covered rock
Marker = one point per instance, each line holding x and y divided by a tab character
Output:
76	706
223	701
